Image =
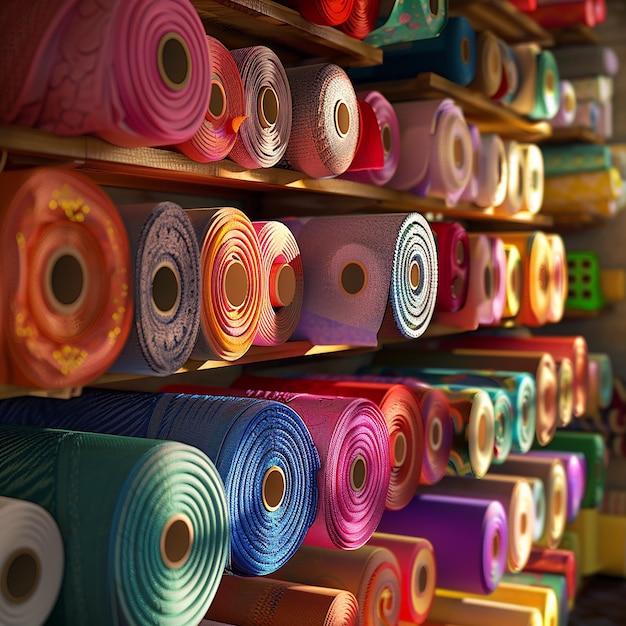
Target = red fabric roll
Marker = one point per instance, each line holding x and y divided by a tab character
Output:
564	14
362	19
325	12
369	153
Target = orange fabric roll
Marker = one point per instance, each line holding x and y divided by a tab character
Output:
66	301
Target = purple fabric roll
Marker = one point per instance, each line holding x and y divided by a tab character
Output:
469	537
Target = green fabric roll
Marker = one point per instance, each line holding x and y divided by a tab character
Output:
124	506
547	93
560	160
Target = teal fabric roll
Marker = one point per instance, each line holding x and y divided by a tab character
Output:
144	523
547	91
575	158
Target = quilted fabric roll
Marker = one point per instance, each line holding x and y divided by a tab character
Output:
390	139
401	410
32	562
109	495
559	278
493	171
453	258
488	64
552	473
284	283
224	108
408	21
242	599
232	283
262	451
143	80
418	570
263	136
469	537
575	159
566	112
67	263
581	61
165	274
442	168
325	128
371	573
363	271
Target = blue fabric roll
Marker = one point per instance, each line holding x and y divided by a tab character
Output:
245	438
452	55
166	285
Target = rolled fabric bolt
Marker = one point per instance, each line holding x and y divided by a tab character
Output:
572	13
568	102
471	190
499	268
511	201
514	282
526	56
324	12
599	88
564	392
493	171
539	498
547	94
575	158
532	178
488	75
557	561
510	74
559	278
362	19
370	153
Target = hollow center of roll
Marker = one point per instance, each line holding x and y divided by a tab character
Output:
569	102
236	284
557	499
549	398
435	436
398	449
217	99
459	153
465	50
538	509
534	180
353	278
523	523
500	166
282	284
165	289
342	119
550	83
174	61
495	64
273	489
421	579
20	576
415	275
459	253
520	179
176	541
488	282
496	546
67	279
525	412
456	287
482	432
386	138
434	7
267	107
358	473
542	276
515	279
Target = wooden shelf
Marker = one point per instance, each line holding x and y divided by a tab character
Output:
574	35
575	134
242	23
503	19
488	115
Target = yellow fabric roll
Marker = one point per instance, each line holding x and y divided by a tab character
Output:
585	526
612	544
583	187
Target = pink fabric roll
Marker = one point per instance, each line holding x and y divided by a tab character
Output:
471	191
499	266
224	109
136	72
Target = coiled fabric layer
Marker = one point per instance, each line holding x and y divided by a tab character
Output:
110	495
66	261
262	451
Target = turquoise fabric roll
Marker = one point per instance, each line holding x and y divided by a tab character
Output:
547	91
144	523
575	158
250	440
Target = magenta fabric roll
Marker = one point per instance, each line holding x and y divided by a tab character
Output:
390	135
469	537
134	72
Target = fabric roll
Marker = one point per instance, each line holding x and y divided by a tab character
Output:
568	102
263	136
493	171
586	532
109	495
262	450
165	275
362	19
471	611
371	573
402	413
552	473
557	561
369	153
547	92
565	390
511	200
469	537
513	493
601	377
599	88
416	558
575	159
575	467
526	56
587	115
390	139
470	191
499	269
325	127
572	13
453	258
145	83
538	489
488	75
407	21
559	288
514	282
373	274
324	12
232	283
284	283
65	286
32	562
242	600
510	81
451	54
531	161
565	189
224	111
612	544
582	61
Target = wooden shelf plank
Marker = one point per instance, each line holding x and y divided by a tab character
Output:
575	134
241	23
503	19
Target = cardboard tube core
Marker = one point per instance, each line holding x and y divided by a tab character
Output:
421	578
282	284
550	83
174	61
353	277
236	284
66	284
435	435
415	275
217	99
386	138
481	439
165	289
20	576
465	51
398	449
267	107
434	7
342	119
488	282
459	253
557	499
358	473
273	489
523	523
176	541
569	103
459	153
496	545
456	287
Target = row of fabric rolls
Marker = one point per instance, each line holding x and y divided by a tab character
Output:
398	493
142	289
557	14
